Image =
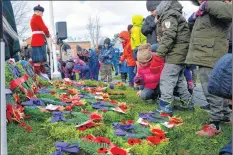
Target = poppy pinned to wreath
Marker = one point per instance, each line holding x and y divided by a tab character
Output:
134	141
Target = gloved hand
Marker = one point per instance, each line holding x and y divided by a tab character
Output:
139	80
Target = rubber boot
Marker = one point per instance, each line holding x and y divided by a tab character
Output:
187	105
165	107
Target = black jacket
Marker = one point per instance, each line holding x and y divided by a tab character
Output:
149	29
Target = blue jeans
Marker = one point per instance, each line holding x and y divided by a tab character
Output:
132	74
147	93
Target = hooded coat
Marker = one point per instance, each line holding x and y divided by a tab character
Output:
106	55
173	32
127	53
210	34
137	38
149	29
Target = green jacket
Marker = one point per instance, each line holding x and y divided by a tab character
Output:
137	38
173	35
210	33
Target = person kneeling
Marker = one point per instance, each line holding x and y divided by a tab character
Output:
149	71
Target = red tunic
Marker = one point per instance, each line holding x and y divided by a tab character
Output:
37	24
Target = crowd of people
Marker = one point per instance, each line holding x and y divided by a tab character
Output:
160	52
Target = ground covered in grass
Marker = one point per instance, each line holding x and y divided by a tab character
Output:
182	139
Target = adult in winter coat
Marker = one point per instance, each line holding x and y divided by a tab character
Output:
208	43
106	58
149	71
116	57
137	38
128	56
174	37
149	29
230	42
38	44
94	65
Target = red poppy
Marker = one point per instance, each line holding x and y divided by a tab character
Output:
68	108
118	151
105	110
89	137
102	140
123	121
90	125
17	98
155	140
127	122
96	117
22	124
164	114
29	94
175	120
123	107
82	128
52	92
157	132
133	141
77	103
85	111
20	108
17	115
29	129
102	150
9	108
113	102
8	116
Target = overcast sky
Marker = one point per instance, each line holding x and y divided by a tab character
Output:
114	15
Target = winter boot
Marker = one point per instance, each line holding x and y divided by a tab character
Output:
187	105
164	107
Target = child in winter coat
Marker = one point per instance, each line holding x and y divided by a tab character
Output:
149	29
149	71
174	35
208	43
128	56
80	67
69	70
123	70
106	58
116	60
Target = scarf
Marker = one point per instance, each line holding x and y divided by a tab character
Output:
162	7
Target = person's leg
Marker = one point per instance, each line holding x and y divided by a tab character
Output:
103	73
168	81
194	75
226	111
147	94
116	64
216	103
109	73
131	75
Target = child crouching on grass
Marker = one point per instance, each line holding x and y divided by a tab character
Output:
80	67
149	71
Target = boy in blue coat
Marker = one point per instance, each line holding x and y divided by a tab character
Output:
106	58
116	60
94	65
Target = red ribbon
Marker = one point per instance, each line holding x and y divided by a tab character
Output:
17	82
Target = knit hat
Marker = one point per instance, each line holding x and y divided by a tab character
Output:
151	5
144	53
107	41
38	8
130	26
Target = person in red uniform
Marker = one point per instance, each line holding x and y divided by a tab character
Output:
38	43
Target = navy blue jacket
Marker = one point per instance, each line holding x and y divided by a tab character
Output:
220	82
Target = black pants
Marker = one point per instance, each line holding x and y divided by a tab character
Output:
124	77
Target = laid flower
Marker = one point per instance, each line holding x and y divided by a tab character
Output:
82	128
78	103
133	141
155	140
102	150
102	140
175	120
52	92
157	131
164	114
96	117
22	124
29	129
68	108
118	151
123	106
127	122
85	111
105	110
17	98
89	137
113	102
105	95
72	91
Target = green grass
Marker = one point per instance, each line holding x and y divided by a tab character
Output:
182	140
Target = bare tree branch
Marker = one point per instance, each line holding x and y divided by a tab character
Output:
21	14
93	30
